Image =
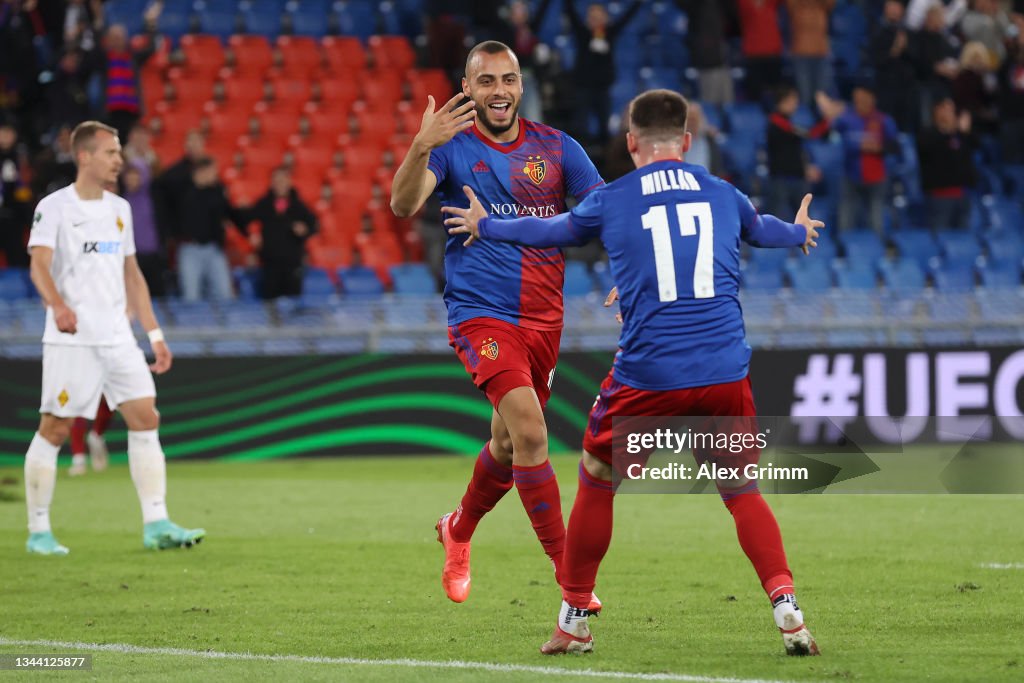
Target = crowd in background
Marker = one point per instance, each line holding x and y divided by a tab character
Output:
949	72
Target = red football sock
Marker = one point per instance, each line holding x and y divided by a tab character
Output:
103	416
491	480
78	429
760	538
538	490
586	541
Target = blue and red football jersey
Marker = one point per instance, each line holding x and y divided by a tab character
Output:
672	231
530	176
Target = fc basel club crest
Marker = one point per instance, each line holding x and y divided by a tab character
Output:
489	349
535	169
120	224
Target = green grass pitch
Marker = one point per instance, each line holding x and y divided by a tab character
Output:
338	559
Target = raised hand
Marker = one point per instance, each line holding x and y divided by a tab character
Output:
812	226
466	221
438	127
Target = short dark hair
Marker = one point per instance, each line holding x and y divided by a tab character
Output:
658	115
202	163
85	132
488	47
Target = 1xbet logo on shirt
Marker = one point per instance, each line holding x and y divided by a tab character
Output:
101	247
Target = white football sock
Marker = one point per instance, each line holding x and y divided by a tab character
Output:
785	605
149	472
78	459
573	621
40	479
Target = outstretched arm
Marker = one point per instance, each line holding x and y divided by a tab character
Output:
769	231
564	230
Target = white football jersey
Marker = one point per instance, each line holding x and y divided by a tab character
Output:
90	240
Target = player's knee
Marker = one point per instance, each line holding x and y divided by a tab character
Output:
501	448
55	429
531	443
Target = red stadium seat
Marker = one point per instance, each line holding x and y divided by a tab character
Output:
194	88
340	91
410	116
300	54
313	157
352	191
343	54
228	125
243	90
292	91
375	130
276	122
247	191
360	162
392	52
327	120
423	82
382	90
326	254
263	156
252	53
204	53
180	117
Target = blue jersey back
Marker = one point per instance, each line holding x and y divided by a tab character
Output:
530	176
672	232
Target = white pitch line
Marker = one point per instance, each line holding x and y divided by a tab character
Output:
1008	565
122	648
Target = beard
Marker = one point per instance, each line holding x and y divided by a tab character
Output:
482	113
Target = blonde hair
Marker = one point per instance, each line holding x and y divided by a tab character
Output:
84	133
975	52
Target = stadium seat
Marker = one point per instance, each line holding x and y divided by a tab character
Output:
203	52
950	308
300	55
360	282
577	279
903	274
762	278
1006	214
174	23
953	277
918	245
317	285
14	284
343	54
748	121
810	275
856	276
247	315
264	20
958	247
357	19
413	279
1000	274
252	54
423	82
338	91
199	314
309	18
391	52
862	246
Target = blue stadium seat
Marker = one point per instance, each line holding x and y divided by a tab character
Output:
998	336
857	305
862	247
808	274
747	120
317	286
775	258
242	314
1006	214
412	279
856	276
309	18
855	338
175	24
32	319
902	275
265	21
950	308
805	116
1005	245
958	247
577	279
1013	177
248	281
14	284
360	282
999	305
603	275
828	157
741	158
953	277
1000	274
128	13
218	23
918	245
766	279
406	312
357	19
193	314
236	347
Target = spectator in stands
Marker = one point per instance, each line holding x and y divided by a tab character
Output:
286	225
988	24
202	264
710	22
170	186
951	11
138	147
762	46
18	63
15	195
68	95
446	36
1011	119
55	166
136	179
595	65
810	48
946	156
704	148
894	67
974	88
120	68
790	172
935	54
533	54
867	135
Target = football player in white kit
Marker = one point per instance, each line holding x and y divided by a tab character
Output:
84	266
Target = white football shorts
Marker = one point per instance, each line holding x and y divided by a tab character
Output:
75	377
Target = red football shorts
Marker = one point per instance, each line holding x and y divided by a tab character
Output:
735	399
500	356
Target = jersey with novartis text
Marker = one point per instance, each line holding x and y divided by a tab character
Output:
530	176
90	240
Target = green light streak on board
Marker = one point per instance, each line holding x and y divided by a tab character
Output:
577	378
433	437
567	412
278	366
261	389
477	410
432	371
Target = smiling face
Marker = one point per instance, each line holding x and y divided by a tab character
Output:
495	85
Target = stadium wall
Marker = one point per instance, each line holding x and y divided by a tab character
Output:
256	408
